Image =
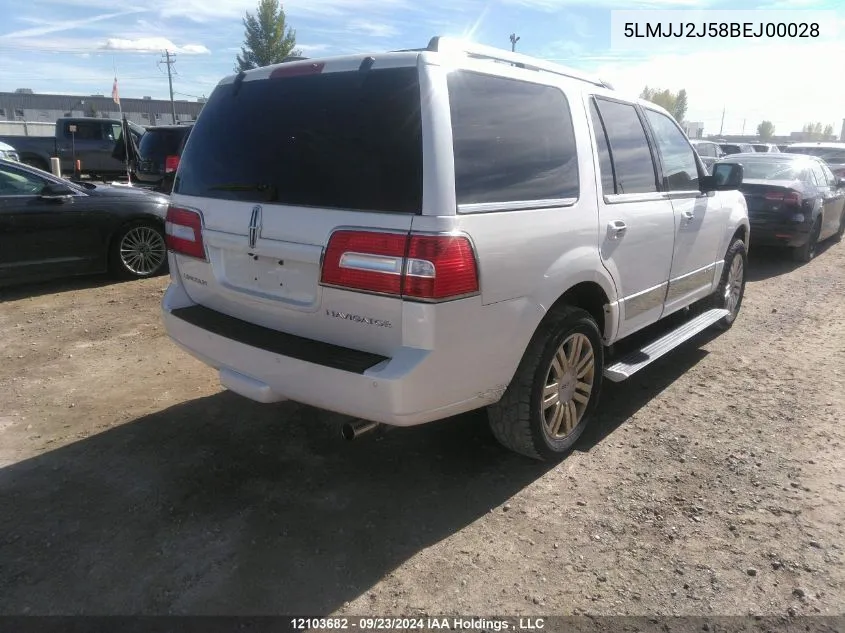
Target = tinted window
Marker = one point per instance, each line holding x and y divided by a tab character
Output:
349	140
86	130
680	169
629	148
161	143
513	140
731	149
605	165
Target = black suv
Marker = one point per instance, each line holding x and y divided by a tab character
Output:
159	154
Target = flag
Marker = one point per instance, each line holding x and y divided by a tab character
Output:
114	95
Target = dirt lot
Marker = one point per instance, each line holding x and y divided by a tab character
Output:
712	482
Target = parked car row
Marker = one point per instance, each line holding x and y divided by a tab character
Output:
100	147
833	154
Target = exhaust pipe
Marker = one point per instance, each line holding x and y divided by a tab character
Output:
357	428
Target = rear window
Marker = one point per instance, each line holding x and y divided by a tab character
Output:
161	143
347	140
513	140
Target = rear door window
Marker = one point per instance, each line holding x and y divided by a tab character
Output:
632	160
513	140
344	140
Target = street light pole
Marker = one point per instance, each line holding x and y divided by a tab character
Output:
514	39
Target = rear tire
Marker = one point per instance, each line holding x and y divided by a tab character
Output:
807	252
138	251
551	398
731	288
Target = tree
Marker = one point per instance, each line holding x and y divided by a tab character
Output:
680	109
817	131
266	40
765	130
675	103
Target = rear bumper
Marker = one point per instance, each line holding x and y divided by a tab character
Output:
788	234
412	387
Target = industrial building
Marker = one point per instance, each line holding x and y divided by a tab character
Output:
24	105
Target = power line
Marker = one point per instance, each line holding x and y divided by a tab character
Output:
185	94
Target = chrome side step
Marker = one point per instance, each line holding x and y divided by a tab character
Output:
631	363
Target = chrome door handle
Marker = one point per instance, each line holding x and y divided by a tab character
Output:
688	216
616	229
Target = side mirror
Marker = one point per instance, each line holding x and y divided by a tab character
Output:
840	183
56	191
724	177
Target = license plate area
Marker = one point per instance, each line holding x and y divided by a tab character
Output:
287	280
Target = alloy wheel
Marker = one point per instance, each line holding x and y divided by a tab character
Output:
568	385
733	285
142	250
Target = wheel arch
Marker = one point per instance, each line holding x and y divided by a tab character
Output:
591	297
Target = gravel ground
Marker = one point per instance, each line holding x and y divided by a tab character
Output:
710	483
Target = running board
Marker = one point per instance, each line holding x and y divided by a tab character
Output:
631	363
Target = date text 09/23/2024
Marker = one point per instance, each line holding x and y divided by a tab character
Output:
419	624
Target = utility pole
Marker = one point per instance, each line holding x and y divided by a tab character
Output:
170	59
722	127
743	127
514	39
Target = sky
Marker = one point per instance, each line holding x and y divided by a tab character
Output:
75	47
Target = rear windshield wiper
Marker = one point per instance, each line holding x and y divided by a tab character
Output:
270	191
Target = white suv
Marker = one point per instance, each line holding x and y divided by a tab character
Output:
411	235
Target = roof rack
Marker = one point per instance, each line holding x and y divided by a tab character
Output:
440	44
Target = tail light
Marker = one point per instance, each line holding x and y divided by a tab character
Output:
789	198
413	266
171	164
183	232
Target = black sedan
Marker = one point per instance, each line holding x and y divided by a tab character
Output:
50	227
793	201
